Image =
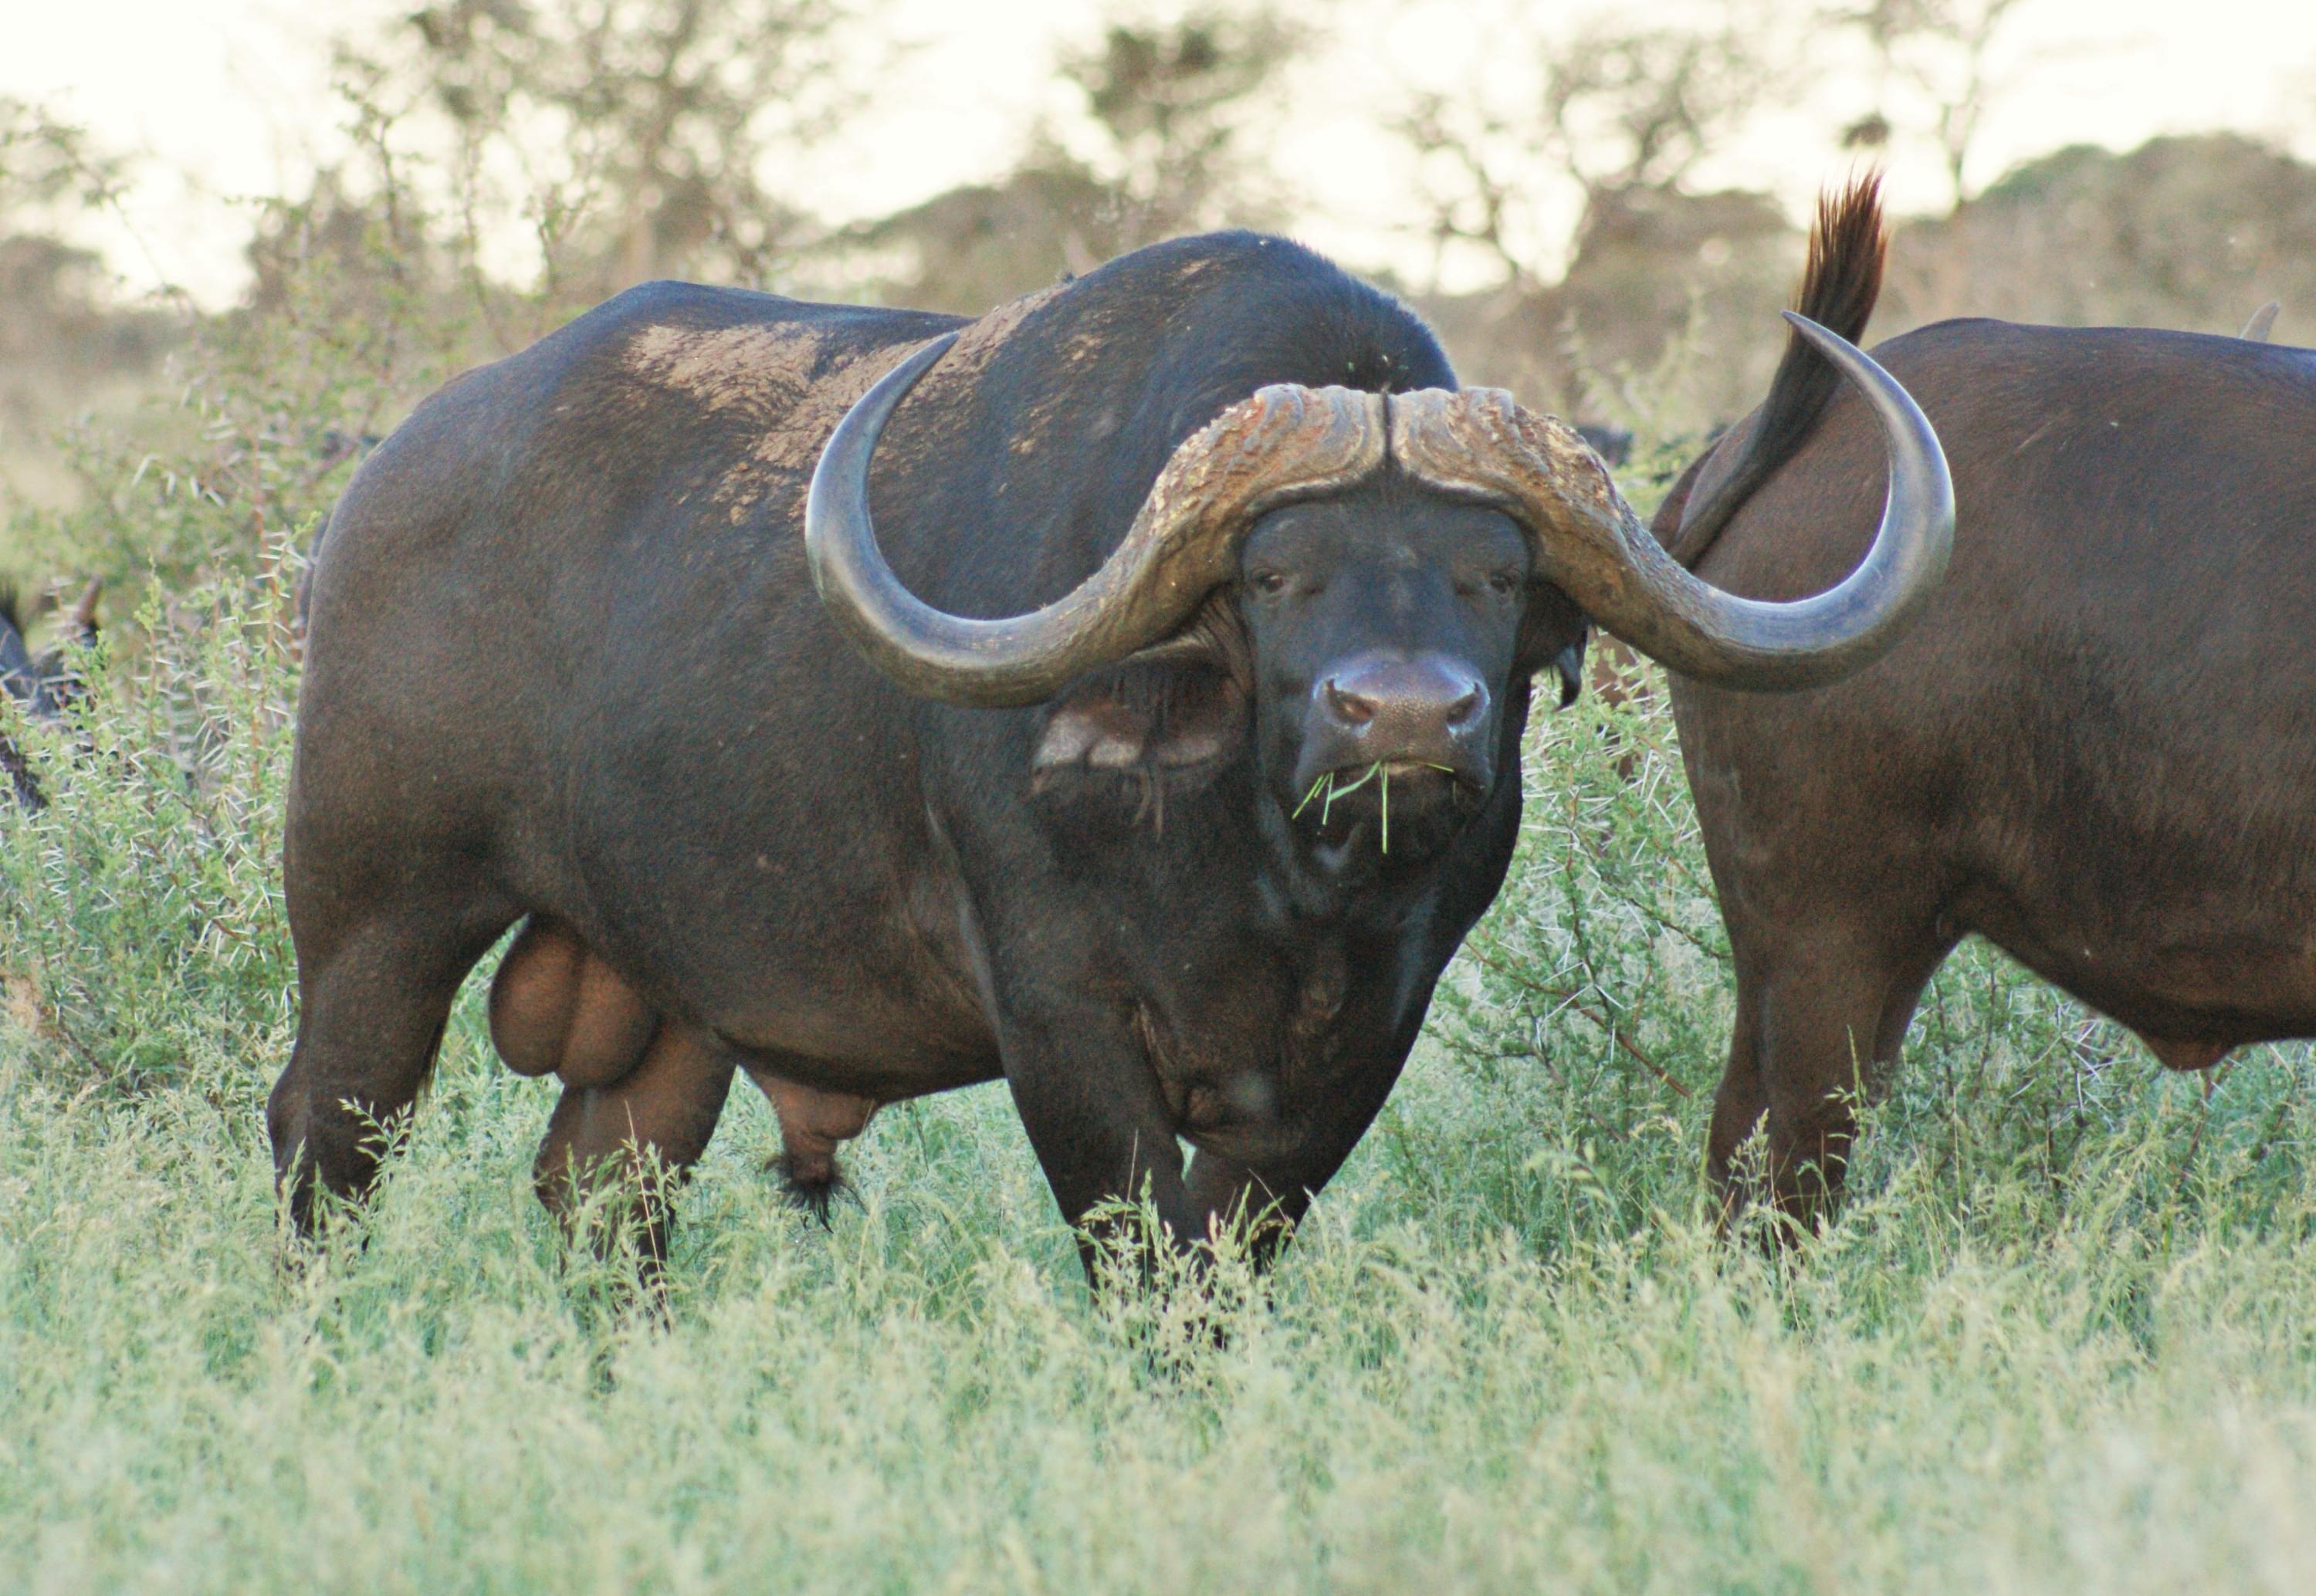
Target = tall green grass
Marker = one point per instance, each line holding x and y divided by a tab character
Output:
2060	1339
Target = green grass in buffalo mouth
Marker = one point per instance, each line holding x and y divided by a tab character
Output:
1376	772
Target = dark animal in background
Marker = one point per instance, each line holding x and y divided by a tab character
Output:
2096	751
1180	854
42	686
1613	445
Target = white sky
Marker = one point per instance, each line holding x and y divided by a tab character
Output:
231	97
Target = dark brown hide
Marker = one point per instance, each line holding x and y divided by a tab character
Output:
2095	750
566	661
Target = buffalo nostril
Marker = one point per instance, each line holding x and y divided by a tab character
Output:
1400	706
1349	708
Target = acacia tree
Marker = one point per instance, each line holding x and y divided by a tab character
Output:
1173	112
45	163
634	135
1618	110
1616	119
65	331
1944	52
1173	102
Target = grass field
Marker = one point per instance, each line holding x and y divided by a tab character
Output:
2060	1341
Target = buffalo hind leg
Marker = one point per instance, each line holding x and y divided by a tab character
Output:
1818	1024
637	1137
640	1096
372	1004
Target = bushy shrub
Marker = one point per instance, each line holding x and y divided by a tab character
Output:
141	927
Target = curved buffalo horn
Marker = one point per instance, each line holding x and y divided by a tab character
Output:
1285	443
1478	444
2262	322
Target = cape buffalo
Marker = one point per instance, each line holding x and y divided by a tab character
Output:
41	685
2096	749
1166	802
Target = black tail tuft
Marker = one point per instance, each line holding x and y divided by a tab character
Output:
1838	288
812	1192
1843	278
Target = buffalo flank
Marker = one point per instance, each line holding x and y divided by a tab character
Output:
2095	749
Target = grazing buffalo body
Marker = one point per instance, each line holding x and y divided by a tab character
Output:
2098	750
1071	793
40	685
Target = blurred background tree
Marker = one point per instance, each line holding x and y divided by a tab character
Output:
1944	51
67	337
1178	105
1167	139
1657	271
637	137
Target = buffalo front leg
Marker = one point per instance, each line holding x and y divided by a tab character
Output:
1270	1195
1099	1126
634	1141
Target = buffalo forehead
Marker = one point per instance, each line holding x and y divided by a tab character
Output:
1388	517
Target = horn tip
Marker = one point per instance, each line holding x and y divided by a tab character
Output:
1812	331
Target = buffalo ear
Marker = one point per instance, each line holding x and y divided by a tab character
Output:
1570	663
1139	721
1552	635
1176	710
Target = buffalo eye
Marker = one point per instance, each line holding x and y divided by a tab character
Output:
1501	583
1268	582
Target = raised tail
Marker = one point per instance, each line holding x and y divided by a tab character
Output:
1839	289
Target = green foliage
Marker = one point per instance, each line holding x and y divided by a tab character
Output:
141	929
